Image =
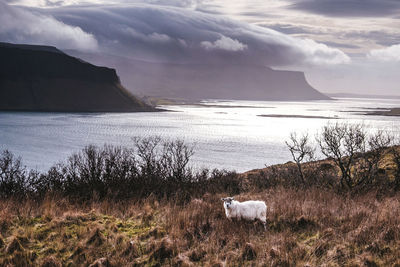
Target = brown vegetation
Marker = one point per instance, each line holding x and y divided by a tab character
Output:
118	207
309	227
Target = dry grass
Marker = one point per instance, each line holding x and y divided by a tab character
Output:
129	215
308	227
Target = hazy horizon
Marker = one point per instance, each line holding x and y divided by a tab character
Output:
342	46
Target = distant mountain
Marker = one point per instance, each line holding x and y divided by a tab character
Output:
43	78
208	81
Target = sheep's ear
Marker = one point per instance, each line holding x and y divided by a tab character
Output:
232	198
223	199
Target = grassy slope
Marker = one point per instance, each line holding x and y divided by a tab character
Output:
312	227
306	227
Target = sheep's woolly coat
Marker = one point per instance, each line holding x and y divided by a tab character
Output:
247	210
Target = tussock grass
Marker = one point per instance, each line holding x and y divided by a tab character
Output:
308	227
116	207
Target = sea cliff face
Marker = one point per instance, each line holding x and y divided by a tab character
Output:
209	81
42	78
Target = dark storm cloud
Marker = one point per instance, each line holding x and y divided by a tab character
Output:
161	33
349	8
173	34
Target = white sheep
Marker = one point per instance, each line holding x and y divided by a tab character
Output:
247	210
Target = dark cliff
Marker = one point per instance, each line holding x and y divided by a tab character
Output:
207	81
42	78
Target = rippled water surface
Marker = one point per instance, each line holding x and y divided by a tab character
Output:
226	134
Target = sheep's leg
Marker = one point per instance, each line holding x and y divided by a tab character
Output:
264	222
264	219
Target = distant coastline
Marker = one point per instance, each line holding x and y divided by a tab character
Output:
385	112
351	95
296	116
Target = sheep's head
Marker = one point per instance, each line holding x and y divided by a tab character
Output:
227	202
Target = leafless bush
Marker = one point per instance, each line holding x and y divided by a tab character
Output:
369	163
12	175
161	169
153	167
301	151
347	145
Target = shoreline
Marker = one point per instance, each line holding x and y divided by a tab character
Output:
297	116
384	112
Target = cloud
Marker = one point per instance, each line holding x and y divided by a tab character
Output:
289	28
341	45
177	3
172	34
224	43
345	38
193	4
151	37
320	54
349	8
381	37
47	3
388	54
20	25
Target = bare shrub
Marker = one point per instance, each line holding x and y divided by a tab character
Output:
122	172
153	167
347	145
301	151
92	172
161	169
13	176
163	164
341	142
369	163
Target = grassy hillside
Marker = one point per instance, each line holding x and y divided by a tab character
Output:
305	228
145	206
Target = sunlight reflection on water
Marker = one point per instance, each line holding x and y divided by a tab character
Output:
226	134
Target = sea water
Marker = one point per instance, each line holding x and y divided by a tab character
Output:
225	134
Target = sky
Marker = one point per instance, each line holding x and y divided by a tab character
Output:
349	46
